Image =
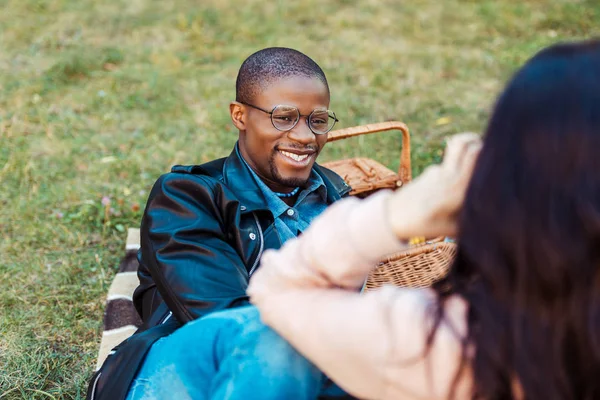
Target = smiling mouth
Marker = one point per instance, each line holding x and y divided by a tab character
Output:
296	157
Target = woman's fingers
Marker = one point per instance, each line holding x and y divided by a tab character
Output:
470	158
428	206
461	175
456	149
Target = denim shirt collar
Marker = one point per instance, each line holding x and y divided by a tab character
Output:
235	174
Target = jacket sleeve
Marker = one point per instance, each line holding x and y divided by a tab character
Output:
185	248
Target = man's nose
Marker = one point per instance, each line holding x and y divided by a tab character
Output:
301	132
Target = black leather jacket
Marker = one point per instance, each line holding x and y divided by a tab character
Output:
202	235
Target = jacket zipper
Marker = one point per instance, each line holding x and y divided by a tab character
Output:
93	396
260	249
166	318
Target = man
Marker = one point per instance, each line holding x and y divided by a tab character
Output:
202	235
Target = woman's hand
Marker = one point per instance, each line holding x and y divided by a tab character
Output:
429	206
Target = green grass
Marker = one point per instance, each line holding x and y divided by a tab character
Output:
97	99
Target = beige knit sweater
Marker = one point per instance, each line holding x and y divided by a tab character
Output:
373	345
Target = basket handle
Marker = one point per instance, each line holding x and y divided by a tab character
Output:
404	171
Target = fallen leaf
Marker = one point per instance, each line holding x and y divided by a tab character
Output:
108	159
443	121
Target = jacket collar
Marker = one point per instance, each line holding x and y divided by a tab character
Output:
238	178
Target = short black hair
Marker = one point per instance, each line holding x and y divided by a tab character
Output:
267	65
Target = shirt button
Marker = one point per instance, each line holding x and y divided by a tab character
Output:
290	212
243	208
252	236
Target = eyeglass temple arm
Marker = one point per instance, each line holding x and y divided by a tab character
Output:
404	171
257	108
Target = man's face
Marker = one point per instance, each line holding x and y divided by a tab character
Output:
283	160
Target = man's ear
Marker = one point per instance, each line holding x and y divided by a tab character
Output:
238	115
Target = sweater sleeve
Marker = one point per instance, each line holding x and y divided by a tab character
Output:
373	345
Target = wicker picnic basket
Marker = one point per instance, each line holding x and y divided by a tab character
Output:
422	264
419	266
365	175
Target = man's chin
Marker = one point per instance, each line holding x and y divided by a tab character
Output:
292	182
291	177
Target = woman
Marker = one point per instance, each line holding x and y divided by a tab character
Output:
518	316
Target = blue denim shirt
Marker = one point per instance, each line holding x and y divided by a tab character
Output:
290	221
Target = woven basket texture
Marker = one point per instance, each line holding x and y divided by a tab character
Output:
419	266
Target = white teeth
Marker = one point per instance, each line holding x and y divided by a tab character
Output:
295	156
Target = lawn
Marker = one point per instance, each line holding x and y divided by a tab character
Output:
98	98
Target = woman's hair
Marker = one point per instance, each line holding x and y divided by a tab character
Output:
528	261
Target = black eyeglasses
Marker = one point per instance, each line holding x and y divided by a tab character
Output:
285	118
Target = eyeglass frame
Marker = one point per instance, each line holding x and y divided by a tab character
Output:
335	119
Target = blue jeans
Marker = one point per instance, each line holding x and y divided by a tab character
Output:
229	355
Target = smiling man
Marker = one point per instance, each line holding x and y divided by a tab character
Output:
204	230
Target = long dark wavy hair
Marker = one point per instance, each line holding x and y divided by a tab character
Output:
528	262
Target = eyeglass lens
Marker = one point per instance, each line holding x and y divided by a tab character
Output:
286	117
